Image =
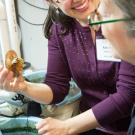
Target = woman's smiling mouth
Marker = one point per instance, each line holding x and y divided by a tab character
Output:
82	7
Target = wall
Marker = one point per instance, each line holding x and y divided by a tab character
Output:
34	44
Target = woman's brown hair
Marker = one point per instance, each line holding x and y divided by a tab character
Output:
55	15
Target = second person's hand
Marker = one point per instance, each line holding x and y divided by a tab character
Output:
51	126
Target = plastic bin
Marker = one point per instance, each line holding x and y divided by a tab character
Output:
65	109
18	126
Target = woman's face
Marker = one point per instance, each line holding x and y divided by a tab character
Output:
116	32
78	9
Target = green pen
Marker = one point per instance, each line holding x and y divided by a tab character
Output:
92	23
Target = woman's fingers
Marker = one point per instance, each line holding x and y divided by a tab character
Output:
1	67
8	81
3	75
7	84
41	126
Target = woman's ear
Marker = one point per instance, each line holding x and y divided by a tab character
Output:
57	1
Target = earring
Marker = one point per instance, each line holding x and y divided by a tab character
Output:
57	11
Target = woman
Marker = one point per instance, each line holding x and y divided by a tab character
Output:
108	86
121	34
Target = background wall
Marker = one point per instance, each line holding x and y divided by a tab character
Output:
31	16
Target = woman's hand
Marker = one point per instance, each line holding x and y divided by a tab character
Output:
72	126
51	126
9	82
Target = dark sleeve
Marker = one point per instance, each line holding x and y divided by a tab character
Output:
119	104
58	74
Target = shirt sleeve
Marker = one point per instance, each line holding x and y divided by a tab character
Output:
58	74
119	104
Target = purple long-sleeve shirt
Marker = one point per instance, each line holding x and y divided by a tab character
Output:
107	87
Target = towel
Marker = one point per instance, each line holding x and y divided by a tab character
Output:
131	130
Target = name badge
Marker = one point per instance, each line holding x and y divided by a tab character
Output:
104	51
